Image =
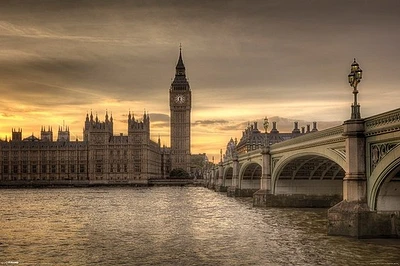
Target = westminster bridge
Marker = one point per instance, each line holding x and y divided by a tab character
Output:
352	168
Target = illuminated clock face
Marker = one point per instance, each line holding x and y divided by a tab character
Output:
179	98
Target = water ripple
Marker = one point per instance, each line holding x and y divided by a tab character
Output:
170	226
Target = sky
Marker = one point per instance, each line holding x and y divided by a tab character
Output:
284	59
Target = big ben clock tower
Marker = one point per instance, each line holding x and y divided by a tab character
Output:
180	102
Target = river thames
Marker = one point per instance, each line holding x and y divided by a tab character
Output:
170	226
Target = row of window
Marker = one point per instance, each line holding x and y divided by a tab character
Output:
27	178
34	169
113	168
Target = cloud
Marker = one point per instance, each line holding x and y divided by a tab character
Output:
209	122
158	117
159	121
60	59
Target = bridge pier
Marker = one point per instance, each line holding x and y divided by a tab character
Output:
211	184
237	192
260	197
233	190
355	219
208	183
220	187
352	216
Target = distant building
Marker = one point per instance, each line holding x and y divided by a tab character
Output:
253	139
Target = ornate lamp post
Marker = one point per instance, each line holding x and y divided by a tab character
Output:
266	124
355	77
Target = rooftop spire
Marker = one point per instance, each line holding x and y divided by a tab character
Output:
180	67
180	82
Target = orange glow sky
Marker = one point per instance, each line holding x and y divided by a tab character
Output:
287	60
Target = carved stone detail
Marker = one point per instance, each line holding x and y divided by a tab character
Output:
379	151
382	123
340	152
275	161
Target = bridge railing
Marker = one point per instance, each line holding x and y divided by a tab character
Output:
383	123
333	134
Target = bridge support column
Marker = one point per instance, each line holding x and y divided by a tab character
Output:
220	187
233	190
212	179
209	178
351	217
260	197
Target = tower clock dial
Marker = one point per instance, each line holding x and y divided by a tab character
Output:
179	98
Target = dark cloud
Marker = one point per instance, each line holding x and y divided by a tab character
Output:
122	48
7	115
235	126
264	54
159	121
209	122
158	117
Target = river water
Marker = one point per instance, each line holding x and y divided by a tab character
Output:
170	226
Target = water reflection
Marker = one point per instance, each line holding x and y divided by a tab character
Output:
170	226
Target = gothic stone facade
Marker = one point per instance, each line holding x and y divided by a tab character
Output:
101	158
180	102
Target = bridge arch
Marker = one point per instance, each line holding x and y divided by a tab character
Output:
250	175
216	173
384	183
310	173
227	176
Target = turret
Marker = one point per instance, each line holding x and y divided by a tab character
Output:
97	126
46	135
63	133
16	135
136	125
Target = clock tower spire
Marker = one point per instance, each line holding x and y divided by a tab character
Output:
180	102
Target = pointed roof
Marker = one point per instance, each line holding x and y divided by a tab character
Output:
180	82
31	138
180	64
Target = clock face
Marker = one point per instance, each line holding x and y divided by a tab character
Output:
179	98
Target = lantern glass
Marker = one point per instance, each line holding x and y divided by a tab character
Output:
351	78
359	74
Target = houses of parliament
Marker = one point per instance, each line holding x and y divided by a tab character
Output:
101	157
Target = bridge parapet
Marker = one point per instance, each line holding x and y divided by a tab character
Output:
318	138
249	155
382	123
327	136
